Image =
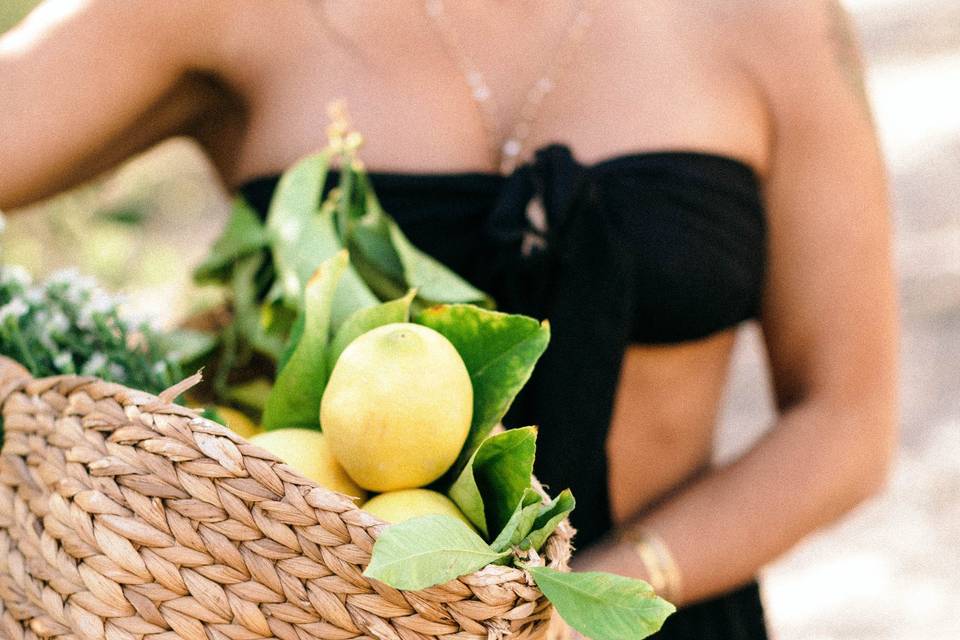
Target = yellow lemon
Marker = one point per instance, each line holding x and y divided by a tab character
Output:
397	506
397	407
238	422
306	451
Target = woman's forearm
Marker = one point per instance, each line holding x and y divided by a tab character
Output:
817	463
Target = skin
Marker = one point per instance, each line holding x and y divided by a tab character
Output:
775	84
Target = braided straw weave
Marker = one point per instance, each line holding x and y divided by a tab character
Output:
125	516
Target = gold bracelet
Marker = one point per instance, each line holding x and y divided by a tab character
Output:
662	570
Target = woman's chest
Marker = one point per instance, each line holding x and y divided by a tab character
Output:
635	83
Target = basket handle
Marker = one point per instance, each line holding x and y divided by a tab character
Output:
13	375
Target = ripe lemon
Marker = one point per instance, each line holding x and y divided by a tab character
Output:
306	451
397	506
238	422
397	407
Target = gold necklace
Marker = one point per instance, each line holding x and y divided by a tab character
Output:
508	148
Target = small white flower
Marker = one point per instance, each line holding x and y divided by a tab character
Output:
76	287
100	303
116	371
35	296
94	365
46	341
16	309
15	274
64	362
160	368
67	277
58	322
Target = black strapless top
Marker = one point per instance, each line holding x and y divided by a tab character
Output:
652	248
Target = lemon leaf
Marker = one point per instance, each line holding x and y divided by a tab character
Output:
391	264
499	350
520	522
548	519
252	394
603	606
427	551
432	279
294	400
302	233
243	234
495	478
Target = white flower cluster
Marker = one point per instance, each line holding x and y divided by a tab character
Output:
68	325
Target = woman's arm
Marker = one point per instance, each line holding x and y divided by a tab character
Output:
86	83
829	318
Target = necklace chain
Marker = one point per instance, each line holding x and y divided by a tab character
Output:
508	148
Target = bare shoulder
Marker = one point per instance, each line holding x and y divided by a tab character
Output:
798	49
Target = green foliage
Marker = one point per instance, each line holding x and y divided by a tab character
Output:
496	478
499	350
264	266
547	520
68	325
432	280
294	400
243	235
426	551
603	606
520	522
252	394
301	236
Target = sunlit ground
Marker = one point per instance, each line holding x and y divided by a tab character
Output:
891	571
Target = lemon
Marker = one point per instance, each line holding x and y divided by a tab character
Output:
397	506
397	407
306	451
238	422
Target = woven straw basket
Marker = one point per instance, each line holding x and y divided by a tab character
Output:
125	516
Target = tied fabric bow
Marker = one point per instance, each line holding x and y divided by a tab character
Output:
525	225
574	267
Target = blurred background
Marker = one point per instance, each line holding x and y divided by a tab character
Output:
890	570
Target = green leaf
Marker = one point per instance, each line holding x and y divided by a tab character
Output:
371	239
550	516
296	332
252	395
433	280
295	398
243	235
495	478
427	551
186	345
364	320
603	606
298	242
500	351
520	522
246	308
303	234
390	262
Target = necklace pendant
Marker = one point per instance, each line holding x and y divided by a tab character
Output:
509	154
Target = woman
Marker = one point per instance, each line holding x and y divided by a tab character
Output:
645	174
